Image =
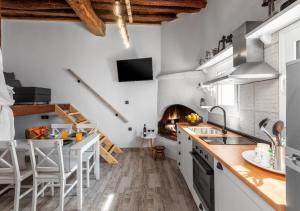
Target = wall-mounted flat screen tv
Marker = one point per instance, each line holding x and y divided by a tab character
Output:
135	69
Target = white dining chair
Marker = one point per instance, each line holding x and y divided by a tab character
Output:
10	173
49	169
57	129
87	160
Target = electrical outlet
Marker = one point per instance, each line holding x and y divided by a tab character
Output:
45	117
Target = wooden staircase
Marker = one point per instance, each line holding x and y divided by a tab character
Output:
73	116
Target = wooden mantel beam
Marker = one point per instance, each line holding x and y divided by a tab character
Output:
86	13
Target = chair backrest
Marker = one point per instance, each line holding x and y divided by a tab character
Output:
57	129
89	128
8	158
46	156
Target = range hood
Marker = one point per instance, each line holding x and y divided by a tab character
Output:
248	59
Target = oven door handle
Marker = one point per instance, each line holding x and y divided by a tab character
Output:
202	164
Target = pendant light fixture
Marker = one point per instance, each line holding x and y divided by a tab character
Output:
118	12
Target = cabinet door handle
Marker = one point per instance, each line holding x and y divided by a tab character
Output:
200	206
219	166
179	142
178	163
179	153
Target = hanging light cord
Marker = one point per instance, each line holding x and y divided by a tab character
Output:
121	23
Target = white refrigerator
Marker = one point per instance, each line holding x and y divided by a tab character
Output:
293	136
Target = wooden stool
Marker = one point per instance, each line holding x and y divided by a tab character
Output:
159	151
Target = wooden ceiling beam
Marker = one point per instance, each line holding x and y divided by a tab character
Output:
42	18
107	17
65	19
34	4
91	13
86	13
164	3
161	10
10	12
61	5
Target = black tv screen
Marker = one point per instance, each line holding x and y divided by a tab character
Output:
135	69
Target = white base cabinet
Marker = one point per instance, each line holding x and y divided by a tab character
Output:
231	194
185	162
181	136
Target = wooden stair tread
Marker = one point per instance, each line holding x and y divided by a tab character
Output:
107	156
74	114
83	122
111	149
106	145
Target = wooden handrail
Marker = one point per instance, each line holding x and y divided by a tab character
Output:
79	80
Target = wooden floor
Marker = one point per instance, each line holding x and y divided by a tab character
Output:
137	183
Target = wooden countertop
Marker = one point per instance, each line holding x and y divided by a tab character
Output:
269	186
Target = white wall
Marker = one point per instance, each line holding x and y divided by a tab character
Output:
38	52
185	40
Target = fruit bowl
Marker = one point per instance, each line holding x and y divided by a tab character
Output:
193	119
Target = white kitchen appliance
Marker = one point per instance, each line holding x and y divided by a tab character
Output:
293	135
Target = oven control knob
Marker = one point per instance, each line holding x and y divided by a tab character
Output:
200	206
201	152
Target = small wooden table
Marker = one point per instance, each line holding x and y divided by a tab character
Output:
150	138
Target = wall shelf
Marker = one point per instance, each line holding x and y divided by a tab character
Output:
191	73
224	54
25	110
279	21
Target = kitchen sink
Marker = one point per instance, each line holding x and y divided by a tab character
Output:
205	130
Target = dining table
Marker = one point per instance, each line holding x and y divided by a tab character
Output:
73	154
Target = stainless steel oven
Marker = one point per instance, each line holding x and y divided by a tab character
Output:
203	177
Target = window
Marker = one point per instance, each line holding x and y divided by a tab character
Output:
226	94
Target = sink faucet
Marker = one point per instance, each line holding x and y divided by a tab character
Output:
224	114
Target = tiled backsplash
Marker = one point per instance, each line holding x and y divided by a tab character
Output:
257	100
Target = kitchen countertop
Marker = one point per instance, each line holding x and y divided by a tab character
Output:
269	186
